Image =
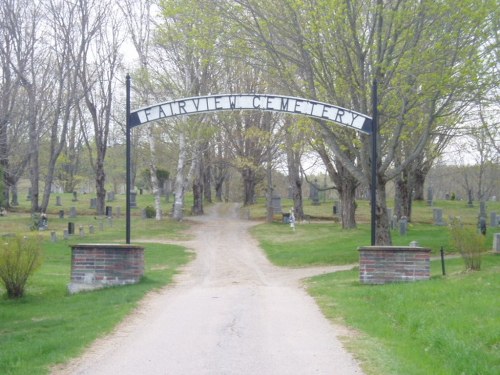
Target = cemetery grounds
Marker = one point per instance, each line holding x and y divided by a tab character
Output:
447	325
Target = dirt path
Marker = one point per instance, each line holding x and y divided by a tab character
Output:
230	312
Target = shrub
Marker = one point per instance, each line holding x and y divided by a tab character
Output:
469	243
150	212
19	258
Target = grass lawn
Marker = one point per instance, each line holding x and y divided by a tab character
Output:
327	243
448	325
49	326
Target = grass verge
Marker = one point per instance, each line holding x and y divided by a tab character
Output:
49	326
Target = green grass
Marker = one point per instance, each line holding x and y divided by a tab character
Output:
447	325
327	243
49	326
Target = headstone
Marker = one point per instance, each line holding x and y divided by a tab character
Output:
389	215
394	222
493	219
65	234
91	229
276	204
430	197
71	228
53	237
110	221
44	222
482	225
61	214
438	216
82	233
118	211
133	199
109	211
75	196
403	226
93	203
72	212
58	201
314	195
496	243
414	244
101	225
111	196
337	208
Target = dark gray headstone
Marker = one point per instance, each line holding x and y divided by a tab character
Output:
72	212
438	216
314	192
496	242
403	226
276	204
493	219
133	199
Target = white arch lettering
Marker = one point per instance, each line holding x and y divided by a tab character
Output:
263	102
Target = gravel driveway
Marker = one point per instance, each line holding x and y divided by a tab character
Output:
229	312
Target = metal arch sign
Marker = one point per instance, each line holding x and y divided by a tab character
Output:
231	102
264	102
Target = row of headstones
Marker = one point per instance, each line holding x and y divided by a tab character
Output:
70	231
110	198
109	212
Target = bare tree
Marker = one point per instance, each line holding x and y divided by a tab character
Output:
98	58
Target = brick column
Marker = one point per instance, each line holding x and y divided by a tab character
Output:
388	264
95	266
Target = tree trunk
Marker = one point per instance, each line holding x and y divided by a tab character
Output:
403	195
179	180
294	177
153	171
207	176
347	193
382	231
249	182
197	208
100	183
418	184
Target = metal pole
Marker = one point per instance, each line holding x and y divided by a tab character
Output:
442	261
374	163
127	158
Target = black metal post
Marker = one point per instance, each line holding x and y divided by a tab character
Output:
442	261
127	158
374	162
